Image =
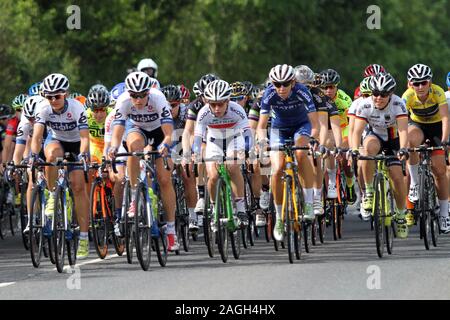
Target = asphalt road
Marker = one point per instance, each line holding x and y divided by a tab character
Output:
345	269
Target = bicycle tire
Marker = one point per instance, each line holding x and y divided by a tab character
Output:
98	222
208	234
434	216
378	212
235	243
222	231
128	223
36	237
334	217
142	228
58	237
288	219
424	212
24	214
389	233
160	245
72	244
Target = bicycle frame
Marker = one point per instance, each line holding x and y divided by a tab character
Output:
225	176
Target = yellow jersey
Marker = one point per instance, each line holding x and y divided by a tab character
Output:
427	112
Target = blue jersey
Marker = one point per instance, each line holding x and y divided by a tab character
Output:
291	112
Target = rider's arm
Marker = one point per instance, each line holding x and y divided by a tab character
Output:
188	132
262	127
360	124
443	110
314	119
335	122
402	124
8	148
84	141
18	153
36	142
323	127
166	125
117	134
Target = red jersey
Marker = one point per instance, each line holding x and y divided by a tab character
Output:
11	127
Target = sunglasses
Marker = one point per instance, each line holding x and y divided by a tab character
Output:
282	84
328	87
383	94
18	110
421	83
96	110
217	104
237	98
140	95
54	97
365	95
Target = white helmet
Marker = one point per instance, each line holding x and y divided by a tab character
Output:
419	72
304	74
148	63
281	73
383	82
30	105
218	90
55	82
137	82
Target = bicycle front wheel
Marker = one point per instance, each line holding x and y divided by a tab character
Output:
59	229
378	213
389	226
424	207
24	214
36	239
221	220
128	222
142	228
98	222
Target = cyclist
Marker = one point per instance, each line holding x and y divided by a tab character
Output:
34	89
370	70
151	68
328	120
5	115
66	122
225	125
294	117
179	114
330	84
387	119
188	134
11	129
428	120
143	114
97	110
447	95
185	94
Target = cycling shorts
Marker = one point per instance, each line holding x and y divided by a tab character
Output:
278	136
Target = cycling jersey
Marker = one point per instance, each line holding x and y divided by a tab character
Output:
66	125
193	108
149	118
323	103
447	96
24	131
96	135
291	111
180	121
11	127
354	106
427	112
343	102
383	123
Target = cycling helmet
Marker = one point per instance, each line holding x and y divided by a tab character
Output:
148	63
238	89
154	83
116	91
5	111
55	82
304	74
34	89
281	73
18	101
172	92
248	86
197	90
30	105
218	90
205	80
185	94
256	92
266	83
97	98
419	72
330	76
318	80
137	82
373	69
383	82
364	86
97	87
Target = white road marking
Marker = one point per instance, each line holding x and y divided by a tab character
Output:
91	261
5	284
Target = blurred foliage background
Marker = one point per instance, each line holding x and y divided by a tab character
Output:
237	39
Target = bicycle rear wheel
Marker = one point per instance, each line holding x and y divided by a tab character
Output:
36	224
425	216
389	223
222	220
235	243
334	206
98	222
72	234
208	234
129	230
378	212
59	228
24	215
142	228
292	244
434	211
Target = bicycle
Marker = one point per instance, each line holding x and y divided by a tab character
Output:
427	208
101	211
383	209
8	217
64	229
143	229
293	202
220	222
251	206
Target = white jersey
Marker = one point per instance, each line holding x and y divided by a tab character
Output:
149	118
109	126
383	122
24	131
64	126
354	106
232	123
